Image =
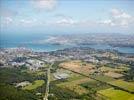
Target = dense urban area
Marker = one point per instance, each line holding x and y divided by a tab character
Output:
78	73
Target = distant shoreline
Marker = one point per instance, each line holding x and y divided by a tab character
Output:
53	47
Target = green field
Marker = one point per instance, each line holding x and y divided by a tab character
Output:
102	78
118	83
112	94
74	85
75	76
119	69
123	84
34	85
95	85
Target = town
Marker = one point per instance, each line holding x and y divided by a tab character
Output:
73	71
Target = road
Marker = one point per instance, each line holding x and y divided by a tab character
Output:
47	84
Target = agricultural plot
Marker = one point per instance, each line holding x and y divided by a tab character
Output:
74	76
118	70
80	81
36	73
74	85
102	78
95	85
34	85
117	83
113	94
78	66
123	84
75	88
114	74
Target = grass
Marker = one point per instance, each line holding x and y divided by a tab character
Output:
80	81
75	88
118	83
75	76
123	84
74	85
40	73
102	78
113	94
34	85
119	69
95	85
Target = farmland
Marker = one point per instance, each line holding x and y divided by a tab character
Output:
102	78
34	85
123	84
74	85
94	85
113	94
78	66
119	69
72	79
105	79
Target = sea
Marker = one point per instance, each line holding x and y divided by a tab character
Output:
11	42
46	47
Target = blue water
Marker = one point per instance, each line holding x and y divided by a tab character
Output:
104	47
16	41
52	47
36	47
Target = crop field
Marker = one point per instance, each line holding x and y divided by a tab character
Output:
102	78
79	81
118	83
74	85
113	74
120	69
95	85
36	73
123	84
34	85
113	94
75	88
78	66
74	76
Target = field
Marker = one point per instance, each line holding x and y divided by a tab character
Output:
74	85
75	88
123	84
113	94
78	66
119	69
102	78
79	81
34	85
113	74
74	76
95	85
118	83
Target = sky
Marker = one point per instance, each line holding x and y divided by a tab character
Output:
33	17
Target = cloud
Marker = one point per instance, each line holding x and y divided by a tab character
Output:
45	4
6	21
119	14
7	16
118	18
28	22
65	21
107	22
